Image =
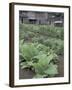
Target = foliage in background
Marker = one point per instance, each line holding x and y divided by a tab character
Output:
44	34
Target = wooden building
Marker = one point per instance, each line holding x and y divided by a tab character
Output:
31	17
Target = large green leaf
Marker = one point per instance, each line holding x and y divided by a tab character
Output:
43	63
28	51
52	69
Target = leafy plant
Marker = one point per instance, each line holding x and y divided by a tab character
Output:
38	58
56	44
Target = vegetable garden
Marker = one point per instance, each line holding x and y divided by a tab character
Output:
40	50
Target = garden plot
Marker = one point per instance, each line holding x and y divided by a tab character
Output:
41	49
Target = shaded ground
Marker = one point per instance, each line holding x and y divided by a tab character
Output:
61	66
25	74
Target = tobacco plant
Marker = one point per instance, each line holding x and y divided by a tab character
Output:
38	58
